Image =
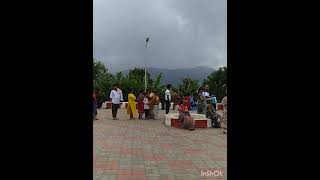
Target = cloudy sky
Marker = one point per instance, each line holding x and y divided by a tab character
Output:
183	33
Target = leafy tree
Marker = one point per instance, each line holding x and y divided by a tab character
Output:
156	86
137	75
216	81
103	80
119	78
128	83
188	87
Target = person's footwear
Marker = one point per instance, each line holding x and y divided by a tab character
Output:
116	119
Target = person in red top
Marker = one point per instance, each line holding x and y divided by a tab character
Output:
140	104
185	117
187	99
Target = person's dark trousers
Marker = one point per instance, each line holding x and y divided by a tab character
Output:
94	111
214	106
167	106
114	110
146	114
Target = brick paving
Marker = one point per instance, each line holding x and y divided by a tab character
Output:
147	149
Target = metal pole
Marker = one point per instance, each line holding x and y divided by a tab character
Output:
145	79
145	69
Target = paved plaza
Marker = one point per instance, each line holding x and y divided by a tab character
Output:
147	149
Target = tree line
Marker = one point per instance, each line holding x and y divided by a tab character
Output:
103	81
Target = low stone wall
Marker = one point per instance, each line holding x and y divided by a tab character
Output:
200	120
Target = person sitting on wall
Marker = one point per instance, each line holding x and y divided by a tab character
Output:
185	117
214	116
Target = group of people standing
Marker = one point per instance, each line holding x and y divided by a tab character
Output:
147	106
204	99
207	105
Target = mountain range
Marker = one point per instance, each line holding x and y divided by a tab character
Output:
174	76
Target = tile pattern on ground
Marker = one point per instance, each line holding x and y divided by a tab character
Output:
147	149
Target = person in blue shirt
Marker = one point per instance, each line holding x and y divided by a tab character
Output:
214	101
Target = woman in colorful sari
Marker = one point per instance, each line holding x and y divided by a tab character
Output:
151	102
140	104
214	116
131	104
225	114
201	102
185	117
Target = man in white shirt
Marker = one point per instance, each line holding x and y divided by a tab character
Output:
115	100
120	93
167	98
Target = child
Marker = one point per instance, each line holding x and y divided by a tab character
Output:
146	106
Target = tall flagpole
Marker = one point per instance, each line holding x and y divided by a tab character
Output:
145	70
145	79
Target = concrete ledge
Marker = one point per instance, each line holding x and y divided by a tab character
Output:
200	120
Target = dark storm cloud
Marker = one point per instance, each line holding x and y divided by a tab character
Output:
183	33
